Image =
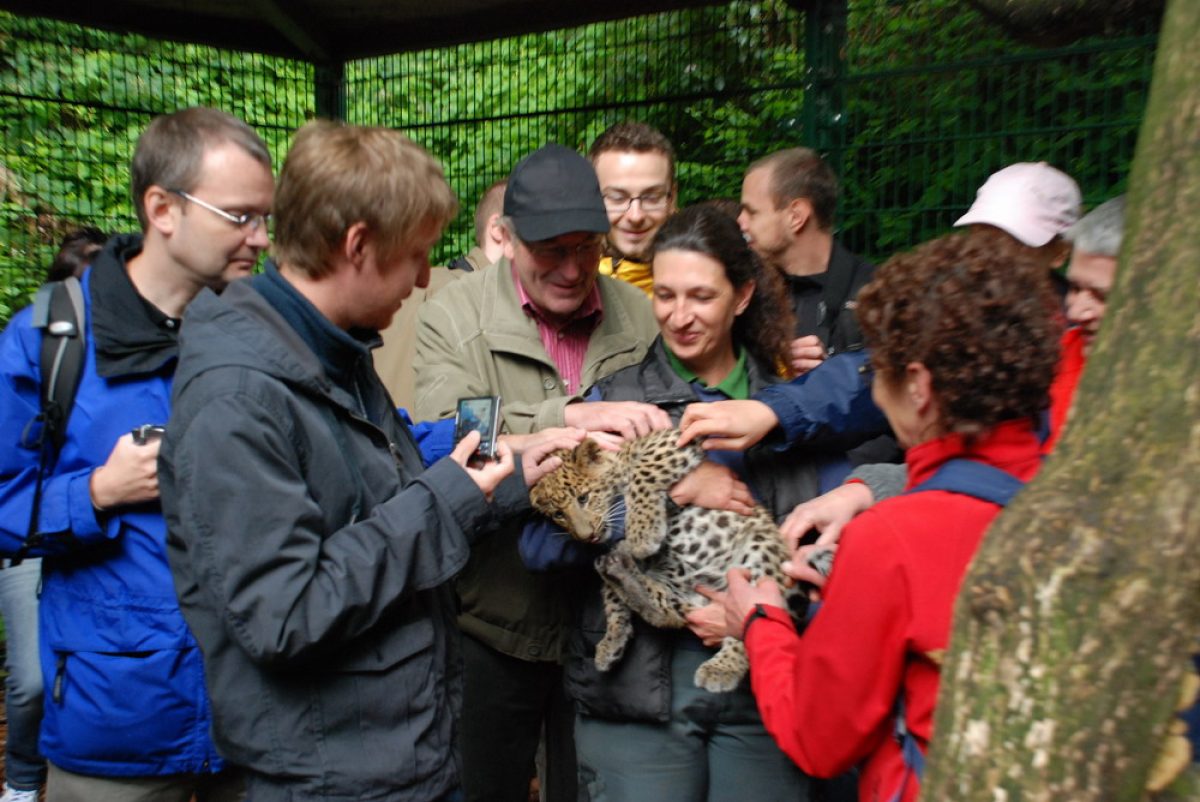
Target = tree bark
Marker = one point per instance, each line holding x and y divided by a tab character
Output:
1074	629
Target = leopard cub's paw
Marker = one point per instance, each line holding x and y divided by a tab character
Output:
608	653
716	678
641	547
615	563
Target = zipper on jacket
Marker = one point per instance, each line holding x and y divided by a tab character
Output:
60	670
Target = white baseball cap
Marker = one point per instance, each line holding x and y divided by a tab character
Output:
1032	201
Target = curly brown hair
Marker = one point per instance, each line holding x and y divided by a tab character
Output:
980	315
765	328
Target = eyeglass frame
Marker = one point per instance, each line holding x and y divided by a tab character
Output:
558	254
254	220
657	206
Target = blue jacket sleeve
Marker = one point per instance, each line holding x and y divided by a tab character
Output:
66	505
434	438
830	405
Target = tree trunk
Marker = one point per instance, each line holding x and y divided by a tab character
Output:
1074	629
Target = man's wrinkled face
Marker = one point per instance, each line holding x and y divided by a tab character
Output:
1089	280
639	196
763	225
558	274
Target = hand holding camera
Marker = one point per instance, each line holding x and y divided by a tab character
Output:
130	474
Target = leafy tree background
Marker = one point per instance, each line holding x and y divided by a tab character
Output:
935	100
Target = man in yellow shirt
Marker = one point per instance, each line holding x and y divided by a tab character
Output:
636	167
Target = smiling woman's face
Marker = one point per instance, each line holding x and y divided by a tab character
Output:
695	305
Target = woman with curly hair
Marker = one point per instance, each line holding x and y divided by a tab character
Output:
645	731
964	346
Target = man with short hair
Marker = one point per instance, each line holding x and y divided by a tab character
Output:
536	329
311	553
789	199
394	359
635	165
489	239
126	714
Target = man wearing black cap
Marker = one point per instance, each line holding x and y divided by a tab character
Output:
537	329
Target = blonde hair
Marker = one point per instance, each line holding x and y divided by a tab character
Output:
336	175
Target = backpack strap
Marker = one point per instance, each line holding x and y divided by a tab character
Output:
58	311
836	294
973	478
910	750
970	478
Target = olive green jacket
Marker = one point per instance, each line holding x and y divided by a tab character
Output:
474	339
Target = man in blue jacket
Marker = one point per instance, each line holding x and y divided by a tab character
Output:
126	716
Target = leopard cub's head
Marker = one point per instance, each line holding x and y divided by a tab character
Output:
576	496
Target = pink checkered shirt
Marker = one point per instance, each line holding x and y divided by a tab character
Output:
567	344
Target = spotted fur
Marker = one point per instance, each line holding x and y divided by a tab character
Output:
667	551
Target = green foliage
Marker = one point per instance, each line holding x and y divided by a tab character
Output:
932	101
72	103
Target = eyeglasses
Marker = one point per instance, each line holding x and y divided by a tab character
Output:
655	200
251	220
584	251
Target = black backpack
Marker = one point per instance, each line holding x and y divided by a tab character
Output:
58	311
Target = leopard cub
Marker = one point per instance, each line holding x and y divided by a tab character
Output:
667	550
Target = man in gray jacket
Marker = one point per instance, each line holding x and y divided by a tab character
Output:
311	553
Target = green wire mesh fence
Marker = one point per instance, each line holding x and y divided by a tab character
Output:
918	105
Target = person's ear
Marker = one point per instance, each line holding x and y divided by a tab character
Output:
1059	252
918	385
356	243
494	231
743	295
162	210
799	212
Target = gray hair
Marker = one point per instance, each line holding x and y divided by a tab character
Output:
1099	231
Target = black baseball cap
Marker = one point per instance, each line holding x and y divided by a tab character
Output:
554	191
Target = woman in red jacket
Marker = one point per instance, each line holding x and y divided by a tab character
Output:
964	345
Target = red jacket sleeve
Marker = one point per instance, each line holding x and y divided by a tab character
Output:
826	697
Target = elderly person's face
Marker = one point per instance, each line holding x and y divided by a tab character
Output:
558	274
1089	280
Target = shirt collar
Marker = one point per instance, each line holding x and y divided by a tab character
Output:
340	352
133	337
735	385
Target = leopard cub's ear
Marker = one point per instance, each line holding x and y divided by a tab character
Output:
588	453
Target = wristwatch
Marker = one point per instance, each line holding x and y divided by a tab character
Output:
759	611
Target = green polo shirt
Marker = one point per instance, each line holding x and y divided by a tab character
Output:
735	385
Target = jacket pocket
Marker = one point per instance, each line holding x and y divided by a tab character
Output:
383	708
133	709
